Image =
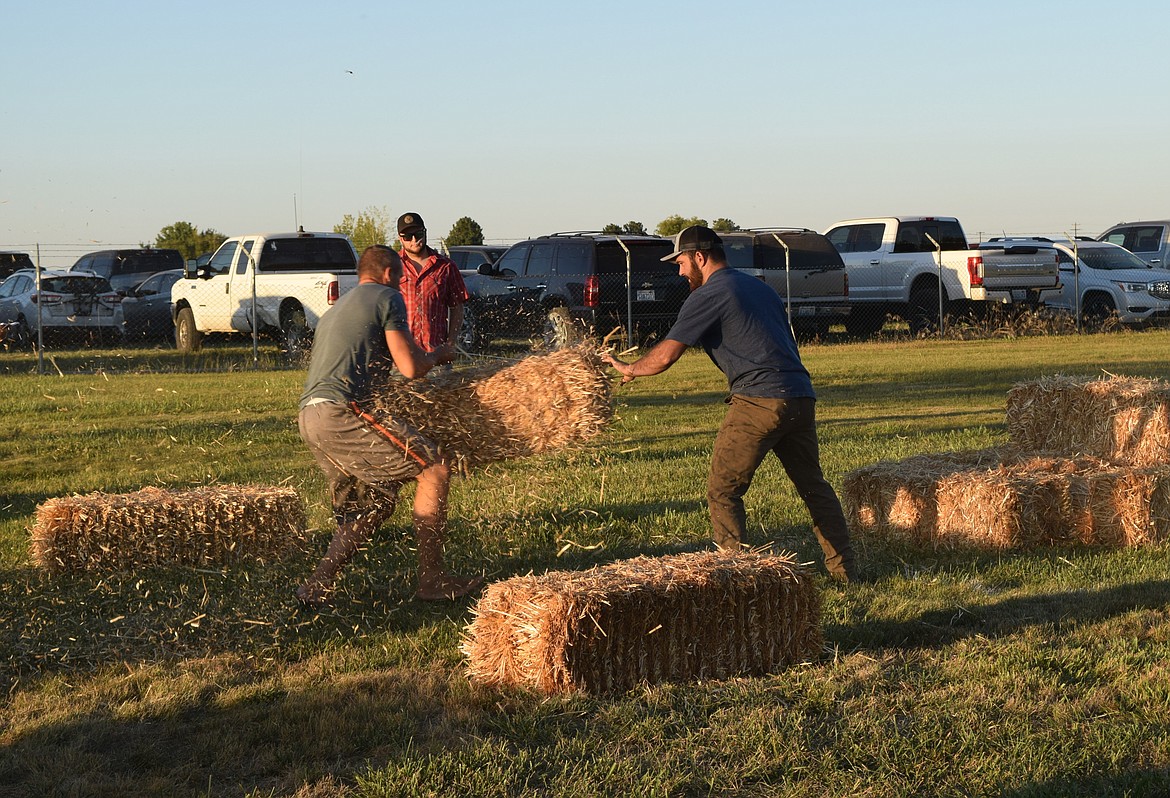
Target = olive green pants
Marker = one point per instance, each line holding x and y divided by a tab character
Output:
753	427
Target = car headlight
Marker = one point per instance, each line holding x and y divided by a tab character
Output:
1133	288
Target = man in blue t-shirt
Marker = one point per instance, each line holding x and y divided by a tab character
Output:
367	456
742	325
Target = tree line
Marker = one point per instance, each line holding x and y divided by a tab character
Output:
373	226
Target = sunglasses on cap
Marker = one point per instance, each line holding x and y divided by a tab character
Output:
417	235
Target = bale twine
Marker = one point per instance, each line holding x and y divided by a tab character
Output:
211	525
679	618
541	404
1006	498
1122	419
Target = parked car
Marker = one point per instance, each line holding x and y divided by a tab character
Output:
800	265
1150	241
470	258
146	309
561	284
126	268
1111	280
69	303
11	262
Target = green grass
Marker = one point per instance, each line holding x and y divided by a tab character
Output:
1038	673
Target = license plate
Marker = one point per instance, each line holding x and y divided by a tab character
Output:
645	296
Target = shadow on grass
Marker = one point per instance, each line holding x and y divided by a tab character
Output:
1155	781
241	731
943	627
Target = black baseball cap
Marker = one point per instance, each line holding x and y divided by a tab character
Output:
696	237
410	223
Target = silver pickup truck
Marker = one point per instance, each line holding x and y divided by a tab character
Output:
911	266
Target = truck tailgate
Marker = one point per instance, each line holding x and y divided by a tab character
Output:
1027	267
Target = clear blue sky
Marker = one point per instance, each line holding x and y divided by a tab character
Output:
534	117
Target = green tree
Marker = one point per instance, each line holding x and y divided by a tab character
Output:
466	231
187	238
722	225
371	226
672	225
627	229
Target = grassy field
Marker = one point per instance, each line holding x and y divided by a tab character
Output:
1041	673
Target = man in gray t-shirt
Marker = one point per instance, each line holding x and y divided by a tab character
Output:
742	325
366	456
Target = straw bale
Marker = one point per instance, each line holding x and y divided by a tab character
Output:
1006	498
708	615
211	525
1122	419
541	404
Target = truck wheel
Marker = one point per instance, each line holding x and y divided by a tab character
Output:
471	338
188	339
1098	313
297	336
559	330
25	338
922	316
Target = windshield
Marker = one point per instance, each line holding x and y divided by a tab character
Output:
75	285
307	254
645	257
148	262
1110	258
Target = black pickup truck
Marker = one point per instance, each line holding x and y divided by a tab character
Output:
561	285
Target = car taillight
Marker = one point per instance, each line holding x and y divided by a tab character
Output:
975	270
592	290
46	299
333	292
111	298
846	284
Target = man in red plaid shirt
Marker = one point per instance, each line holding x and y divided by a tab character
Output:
431	285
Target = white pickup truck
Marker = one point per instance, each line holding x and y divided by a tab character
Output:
264	283
895	264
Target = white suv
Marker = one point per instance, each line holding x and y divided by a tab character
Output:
1111	280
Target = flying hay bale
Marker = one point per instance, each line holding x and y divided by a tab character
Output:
541	404
204	526
1122	419
708	615
1006	498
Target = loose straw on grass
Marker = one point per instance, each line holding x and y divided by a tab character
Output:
707	615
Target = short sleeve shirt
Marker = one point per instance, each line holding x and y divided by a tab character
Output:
349	348
430	291
742	325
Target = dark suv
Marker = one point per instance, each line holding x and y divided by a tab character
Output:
11	262
126	268
469	257
562	284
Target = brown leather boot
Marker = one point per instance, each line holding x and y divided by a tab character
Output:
315	592
434	583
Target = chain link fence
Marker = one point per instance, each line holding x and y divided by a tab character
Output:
52	322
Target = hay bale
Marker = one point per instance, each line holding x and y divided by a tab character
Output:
541	404
1006	498
211	525
1122	419
707	615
